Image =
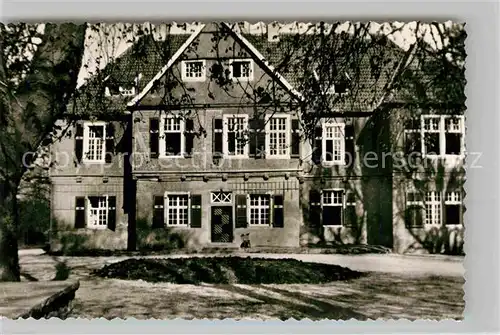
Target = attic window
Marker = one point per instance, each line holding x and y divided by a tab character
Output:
127	91
241	69
119	91
341	87
193	70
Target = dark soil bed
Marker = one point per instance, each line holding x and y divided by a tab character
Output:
226	270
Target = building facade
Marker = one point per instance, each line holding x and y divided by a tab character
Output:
197	165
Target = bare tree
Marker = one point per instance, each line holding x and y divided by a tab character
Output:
39	65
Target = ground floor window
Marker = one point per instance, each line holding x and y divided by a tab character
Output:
95	212
330	208
332	203
177	209
259	206
434	208
98	212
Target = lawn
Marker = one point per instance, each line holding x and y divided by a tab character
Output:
374	295
370	297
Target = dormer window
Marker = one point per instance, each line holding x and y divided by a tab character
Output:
341	87
241	69
126	91
112	91
193	70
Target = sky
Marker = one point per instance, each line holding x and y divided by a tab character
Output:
111	40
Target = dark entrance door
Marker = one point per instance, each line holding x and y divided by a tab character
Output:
222	224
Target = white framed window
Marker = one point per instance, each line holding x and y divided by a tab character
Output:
120	91
333	143
193	70
235	139
177	209
172	140
432	205
221	197
97	212
442	135
241	69
259	209
440	208
127	92
278	136
94	142
332	205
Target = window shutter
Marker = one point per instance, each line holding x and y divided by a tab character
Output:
295	145
350	151
412	142
241	211
260	138
257	138
189	137
318	144
217	138
350	217
110	142
414	216
79	141
278	212
80	212
314	208
154	137
112	213
196	211
158	212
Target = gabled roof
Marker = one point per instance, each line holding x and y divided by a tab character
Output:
152	59
145	57
255	53
167	66
369	84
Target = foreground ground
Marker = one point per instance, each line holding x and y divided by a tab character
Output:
396	287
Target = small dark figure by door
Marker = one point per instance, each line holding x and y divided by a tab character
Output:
222	224
245	241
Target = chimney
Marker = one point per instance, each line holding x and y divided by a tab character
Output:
273	29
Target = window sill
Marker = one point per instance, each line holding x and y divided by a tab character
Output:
278	157
324	163
242	79
259	226
194	80
453	226
94	162
333	226
97	227
177	226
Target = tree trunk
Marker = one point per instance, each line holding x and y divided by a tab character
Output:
9	259
28	116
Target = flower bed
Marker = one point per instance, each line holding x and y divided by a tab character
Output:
226	270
